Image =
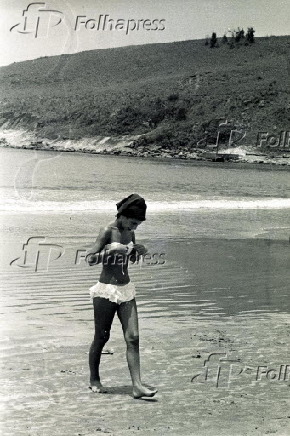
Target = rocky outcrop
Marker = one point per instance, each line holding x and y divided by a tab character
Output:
124	146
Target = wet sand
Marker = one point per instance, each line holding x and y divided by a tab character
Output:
210	296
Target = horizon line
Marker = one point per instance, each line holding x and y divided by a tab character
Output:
130	45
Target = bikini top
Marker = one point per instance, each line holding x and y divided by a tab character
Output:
113	245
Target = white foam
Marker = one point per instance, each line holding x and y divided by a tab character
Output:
99	206
224	203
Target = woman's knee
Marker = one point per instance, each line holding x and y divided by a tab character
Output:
132	339
102	336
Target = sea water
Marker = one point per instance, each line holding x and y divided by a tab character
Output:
223	230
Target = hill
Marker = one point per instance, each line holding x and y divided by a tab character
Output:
174	95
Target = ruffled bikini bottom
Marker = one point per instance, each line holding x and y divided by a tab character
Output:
115	293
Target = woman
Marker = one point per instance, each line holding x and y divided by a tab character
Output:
115	293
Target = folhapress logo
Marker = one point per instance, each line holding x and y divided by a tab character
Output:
37	19
37	254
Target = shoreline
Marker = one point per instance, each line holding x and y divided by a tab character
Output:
124	146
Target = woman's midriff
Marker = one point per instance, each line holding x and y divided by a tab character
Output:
115	270
115	275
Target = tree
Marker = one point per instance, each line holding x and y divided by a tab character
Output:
240	34
250	35
213	40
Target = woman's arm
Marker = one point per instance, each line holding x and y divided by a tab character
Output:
94	256
138	250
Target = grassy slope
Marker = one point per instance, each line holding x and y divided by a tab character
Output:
171	93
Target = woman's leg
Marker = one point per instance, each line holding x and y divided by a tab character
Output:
104	311
127	313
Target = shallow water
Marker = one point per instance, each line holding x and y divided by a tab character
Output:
224	231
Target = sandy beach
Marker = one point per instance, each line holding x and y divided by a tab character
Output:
195	313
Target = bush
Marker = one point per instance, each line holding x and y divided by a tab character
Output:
173	97
240	34
213	40
181	114
250	35
225	39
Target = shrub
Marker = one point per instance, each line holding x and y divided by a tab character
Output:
173	97
181	114
240	34
213	40
250	35
225	39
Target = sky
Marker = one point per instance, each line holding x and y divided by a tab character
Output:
30	30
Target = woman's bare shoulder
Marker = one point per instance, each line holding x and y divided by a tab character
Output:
104	232
107	230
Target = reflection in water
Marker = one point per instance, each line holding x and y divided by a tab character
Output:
207	279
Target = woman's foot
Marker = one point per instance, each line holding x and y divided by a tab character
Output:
97	387
142	391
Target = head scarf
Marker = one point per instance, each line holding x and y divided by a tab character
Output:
133	206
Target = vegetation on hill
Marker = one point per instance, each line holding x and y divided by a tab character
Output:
173	95
232	38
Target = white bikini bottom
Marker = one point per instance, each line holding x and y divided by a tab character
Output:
115	293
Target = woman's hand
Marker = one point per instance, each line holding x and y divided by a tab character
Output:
141	249
116	247
92	259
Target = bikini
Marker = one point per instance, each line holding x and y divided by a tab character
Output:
115	293
113	245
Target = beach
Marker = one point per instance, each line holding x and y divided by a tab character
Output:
213	309
185	317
